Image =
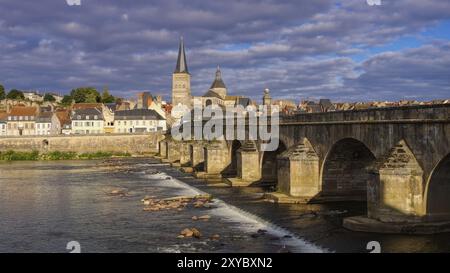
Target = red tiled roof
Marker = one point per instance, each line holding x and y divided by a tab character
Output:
78	106
63	116
3	115
23	111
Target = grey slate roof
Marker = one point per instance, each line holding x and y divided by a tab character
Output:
181	62
137	114
218	82
81	114
211	94
243	101
44	117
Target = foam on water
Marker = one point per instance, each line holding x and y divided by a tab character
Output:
247	221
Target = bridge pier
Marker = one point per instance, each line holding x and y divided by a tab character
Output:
197	154
247	156
216	159
248	170
298	174
395	198
163	149
173	151
185	156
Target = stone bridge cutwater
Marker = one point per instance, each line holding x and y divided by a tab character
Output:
395	159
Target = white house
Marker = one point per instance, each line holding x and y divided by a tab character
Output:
87	121
138	121
47	123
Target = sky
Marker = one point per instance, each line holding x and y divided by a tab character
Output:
300	49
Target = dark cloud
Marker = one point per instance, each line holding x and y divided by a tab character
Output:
298	48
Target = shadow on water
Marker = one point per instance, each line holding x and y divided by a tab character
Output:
320	224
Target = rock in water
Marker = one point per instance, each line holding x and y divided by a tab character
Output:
262	231
187	232
196	233
215	237
204	217
194	218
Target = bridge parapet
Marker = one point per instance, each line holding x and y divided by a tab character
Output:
439	112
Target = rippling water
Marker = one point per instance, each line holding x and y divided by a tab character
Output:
44	205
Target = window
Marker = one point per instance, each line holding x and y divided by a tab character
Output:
20	118
87	117
78	117
95	117
26	117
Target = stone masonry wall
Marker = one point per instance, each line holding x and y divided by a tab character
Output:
134	144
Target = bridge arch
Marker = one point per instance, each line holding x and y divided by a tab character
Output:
268	163
437	193
346	169
231	169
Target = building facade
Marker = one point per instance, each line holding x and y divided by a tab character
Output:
139	121
21	121
47	123
87	121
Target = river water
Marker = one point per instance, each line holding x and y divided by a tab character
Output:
45	205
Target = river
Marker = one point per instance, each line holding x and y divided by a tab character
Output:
46	204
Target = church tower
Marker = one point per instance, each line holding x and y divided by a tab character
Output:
181	79
218	86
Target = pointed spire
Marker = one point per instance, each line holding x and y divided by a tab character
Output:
218	82
181	62
218	74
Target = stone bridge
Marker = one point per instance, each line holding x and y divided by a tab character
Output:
395	159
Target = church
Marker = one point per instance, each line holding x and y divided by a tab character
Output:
217	94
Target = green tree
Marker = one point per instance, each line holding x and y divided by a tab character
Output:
49	97
2	92
15	94
85	94
67	100
107	97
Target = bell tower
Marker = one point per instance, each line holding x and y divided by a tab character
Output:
181	80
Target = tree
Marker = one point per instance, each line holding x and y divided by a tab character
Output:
106	97
2	92
67	100
15	94
85	94
49	97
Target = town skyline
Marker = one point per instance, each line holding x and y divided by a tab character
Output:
307	59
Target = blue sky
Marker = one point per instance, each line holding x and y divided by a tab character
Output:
343	50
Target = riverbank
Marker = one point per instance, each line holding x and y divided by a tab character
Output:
57	155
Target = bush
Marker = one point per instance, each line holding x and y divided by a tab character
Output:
15	156
57	155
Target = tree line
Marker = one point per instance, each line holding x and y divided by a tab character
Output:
78	95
